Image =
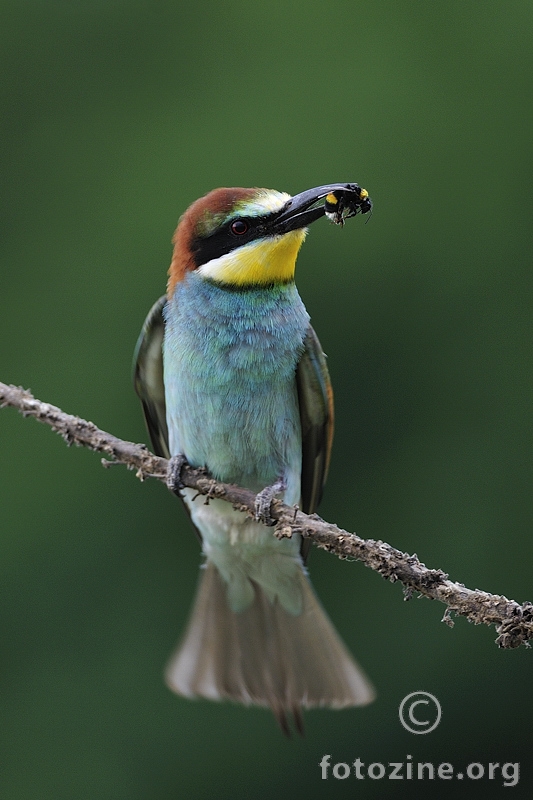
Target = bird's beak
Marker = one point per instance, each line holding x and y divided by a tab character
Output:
345	199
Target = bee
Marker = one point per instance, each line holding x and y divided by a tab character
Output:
344	203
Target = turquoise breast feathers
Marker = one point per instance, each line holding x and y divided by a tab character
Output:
230	360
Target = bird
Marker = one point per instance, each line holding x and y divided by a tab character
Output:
232	378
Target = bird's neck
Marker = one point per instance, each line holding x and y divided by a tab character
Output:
274	311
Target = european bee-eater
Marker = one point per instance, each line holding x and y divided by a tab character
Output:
231	376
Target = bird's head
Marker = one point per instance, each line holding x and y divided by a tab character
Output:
250	237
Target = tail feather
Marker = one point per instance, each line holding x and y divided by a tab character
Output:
264	655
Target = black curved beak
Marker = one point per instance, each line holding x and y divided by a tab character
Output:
338	200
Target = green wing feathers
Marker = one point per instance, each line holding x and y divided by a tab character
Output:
148	377
315	397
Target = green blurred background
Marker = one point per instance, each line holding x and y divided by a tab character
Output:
115	116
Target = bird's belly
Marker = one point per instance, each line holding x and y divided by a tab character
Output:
249	435
245	551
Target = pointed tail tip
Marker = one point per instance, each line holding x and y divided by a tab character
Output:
283	718
298	720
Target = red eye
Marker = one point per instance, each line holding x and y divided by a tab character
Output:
239	226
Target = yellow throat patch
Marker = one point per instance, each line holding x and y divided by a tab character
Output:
265	261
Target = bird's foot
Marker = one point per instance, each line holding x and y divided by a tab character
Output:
264	499
175	465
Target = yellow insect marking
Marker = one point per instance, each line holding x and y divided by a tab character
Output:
363	194
271	260
331	199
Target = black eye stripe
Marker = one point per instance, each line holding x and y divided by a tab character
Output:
226	239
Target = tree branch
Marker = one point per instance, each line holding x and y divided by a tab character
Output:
513	622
